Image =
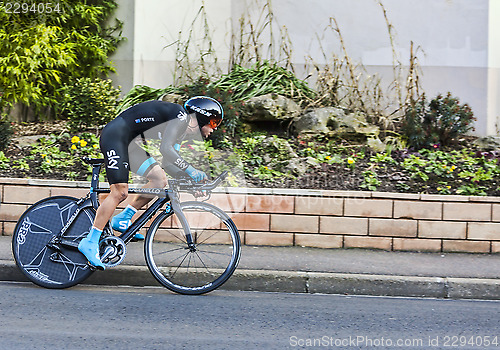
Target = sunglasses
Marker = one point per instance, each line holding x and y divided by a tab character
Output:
214	123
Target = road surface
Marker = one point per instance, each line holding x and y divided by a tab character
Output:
100	317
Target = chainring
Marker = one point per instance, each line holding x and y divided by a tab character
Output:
112	251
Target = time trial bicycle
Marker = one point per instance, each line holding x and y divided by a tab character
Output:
191	247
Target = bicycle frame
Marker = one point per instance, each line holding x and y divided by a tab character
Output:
165	196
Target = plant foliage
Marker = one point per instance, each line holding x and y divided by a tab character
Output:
5	134
263	78
90	103
437	123
143	93
42	51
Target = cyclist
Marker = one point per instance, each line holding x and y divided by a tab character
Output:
118	141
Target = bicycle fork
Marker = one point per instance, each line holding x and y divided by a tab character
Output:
176	207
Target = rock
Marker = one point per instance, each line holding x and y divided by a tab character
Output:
298	166
270	107
355	123
488	143
334	121
24	141
316	120
174	98
376	144
279	144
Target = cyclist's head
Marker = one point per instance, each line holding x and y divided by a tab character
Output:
206	109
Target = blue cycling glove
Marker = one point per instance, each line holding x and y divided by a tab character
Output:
195	174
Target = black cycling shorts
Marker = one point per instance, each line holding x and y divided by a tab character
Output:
122	154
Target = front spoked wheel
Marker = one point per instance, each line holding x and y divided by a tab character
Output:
202	267
35	242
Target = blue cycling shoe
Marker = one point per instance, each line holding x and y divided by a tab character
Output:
122	222
122	226
90	249
138	237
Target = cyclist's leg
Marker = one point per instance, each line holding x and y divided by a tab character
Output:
156	179
143	164
89	246
114	148
118	193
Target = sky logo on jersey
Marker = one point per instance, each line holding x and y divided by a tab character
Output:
181	163
182	115
112	159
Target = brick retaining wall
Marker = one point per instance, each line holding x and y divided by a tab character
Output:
326	219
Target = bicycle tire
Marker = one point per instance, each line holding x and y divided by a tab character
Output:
46	266
179	268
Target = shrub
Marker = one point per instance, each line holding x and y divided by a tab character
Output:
143	93
5	134
90	103
263	78
438	123
42	51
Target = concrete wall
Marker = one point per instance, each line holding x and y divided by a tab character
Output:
493	105
460	39
324	219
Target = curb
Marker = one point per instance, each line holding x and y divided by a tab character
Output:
306	282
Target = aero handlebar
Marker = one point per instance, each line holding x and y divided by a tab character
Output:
189	185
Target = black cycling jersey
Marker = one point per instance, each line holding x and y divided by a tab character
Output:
147	120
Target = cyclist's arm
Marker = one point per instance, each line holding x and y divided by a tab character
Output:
173	131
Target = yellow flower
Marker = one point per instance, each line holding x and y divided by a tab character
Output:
83	143
75	139
328	157
95	146
43	155
73	147
350	161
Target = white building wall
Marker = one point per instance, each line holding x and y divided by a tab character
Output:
493	98
460	39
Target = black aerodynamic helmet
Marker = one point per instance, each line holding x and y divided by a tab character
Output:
207	110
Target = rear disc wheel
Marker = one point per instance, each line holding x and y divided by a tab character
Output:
52	265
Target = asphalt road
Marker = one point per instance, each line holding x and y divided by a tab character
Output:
152	318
